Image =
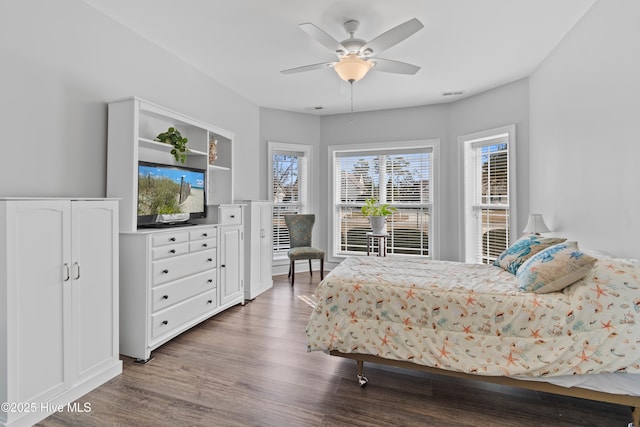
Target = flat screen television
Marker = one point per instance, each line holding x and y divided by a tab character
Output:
170	195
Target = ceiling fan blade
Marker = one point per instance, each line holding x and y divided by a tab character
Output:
390	66
392	37
309	68
322	37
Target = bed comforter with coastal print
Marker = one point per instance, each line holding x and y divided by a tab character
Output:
474	319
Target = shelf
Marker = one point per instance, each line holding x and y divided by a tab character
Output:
161	146
220	168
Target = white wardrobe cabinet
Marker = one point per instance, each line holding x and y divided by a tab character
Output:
258	247
59	291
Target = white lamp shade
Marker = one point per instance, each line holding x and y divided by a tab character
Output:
536	225
352	68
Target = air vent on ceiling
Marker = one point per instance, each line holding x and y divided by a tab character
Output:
453	93
319	107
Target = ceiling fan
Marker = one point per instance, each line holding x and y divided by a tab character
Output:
355	56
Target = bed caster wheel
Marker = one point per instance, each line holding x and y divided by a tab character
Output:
362	381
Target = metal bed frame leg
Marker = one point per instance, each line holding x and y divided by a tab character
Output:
635	417
362	380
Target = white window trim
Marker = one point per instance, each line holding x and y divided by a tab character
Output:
434	144
466	244
305	187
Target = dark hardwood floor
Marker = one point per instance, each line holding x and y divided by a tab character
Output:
248	366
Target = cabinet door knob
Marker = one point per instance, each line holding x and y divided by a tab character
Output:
232	216
210	281
172	251
210	301
165	322
209	259
223	266
204	245
204	234
165	296
172	239
165	271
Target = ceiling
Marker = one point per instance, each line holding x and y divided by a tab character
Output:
465	45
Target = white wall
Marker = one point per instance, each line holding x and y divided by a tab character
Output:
61	62
585	122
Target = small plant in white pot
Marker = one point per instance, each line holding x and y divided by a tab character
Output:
377	214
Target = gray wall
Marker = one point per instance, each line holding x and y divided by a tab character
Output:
61	61
498	107
585	122
505	105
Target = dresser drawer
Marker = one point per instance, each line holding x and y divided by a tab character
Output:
230	215
203	233
172	293
167	321
169	238
202	245
167	270
170	250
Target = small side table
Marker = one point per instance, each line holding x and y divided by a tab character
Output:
382	243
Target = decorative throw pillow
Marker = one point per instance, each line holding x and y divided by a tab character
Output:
524	248
554	268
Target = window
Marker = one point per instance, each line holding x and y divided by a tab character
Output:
288	183
489	180
402	177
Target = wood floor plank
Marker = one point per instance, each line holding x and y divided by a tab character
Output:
249	366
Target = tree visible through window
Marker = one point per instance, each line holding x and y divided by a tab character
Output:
403	178
288	179
488	195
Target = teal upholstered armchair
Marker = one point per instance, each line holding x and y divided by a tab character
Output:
300	227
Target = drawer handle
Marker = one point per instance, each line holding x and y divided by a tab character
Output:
165	271
165	322
165	296
204	245
232	216
209	259
210	281
172	251
204	235
210	301
172	239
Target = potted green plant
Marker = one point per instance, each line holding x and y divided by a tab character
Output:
172	136
377	214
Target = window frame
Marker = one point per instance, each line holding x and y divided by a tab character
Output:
303	188
372	149
468	227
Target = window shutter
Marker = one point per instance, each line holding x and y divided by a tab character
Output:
287	198
399	177
491	208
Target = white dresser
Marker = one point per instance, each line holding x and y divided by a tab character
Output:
59	296
172	279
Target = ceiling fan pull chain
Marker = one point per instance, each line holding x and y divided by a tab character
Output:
351	84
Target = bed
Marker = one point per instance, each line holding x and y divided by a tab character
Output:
478	321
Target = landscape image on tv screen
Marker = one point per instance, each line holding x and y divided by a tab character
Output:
164	190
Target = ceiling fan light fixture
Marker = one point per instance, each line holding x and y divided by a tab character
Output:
352	68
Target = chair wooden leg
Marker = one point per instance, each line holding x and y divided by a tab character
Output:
321	268
310	269
289	275
292	267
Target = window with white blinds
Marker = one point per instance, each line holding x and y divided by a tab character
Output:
403	178
488	193
288	188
